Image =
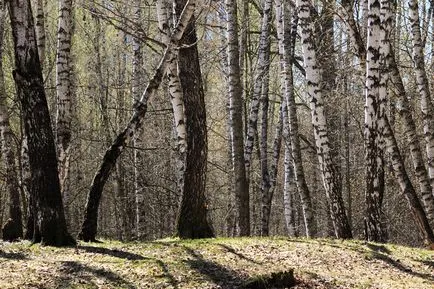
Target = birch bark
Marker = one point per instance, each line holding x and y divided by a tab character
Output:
64	95
241	185
422	85
89	226
287	32
330	173
374	112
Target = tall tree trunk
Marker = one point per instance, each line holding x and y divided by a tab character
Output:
137	78
290	185
241	185
193	221
263	89
287	34
89	226
422	85
267	196
260	78
40	29
393	150
374	110
13	229
64	97
45	186
165	23
406	185
330	173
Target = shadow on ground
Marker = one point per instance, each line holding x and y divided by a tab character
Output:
12	255
72	272
112	252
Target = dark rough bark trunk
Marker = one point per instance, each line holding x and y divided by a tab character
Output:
192	220
44	185
13	229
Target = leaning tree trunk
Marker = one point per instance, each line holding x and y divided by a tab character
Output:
13	229
192	220
374	109
44	186
89	226
287	34
64	97
392	149
241	185
422	85
330	173
164	12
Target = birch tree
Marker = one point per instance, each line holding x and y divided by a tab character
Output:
40	29
241	185
137	79
260	78
64	97
12	230
374	112
89	226
286	32
330	173
422	85
45	187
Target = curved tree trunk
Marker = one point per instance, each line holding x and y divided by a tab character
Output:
90	222
44	186
422	85
330	173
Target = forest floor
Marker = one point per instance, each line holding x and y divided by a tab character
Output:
216	263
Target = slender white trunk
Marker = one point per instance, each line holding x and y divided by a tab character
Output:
241	185
165	23
261	72
40	28
422	85
330	173
64	95
374	113
136	89
286	34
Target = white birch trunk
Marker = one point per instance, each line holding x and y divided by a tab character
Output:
330	174
165	22
286	36
241	185
374	111
261	72
422	85
136	89
64	95
40	29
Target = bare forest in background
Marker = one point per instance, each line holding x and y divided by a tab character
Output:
140	120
